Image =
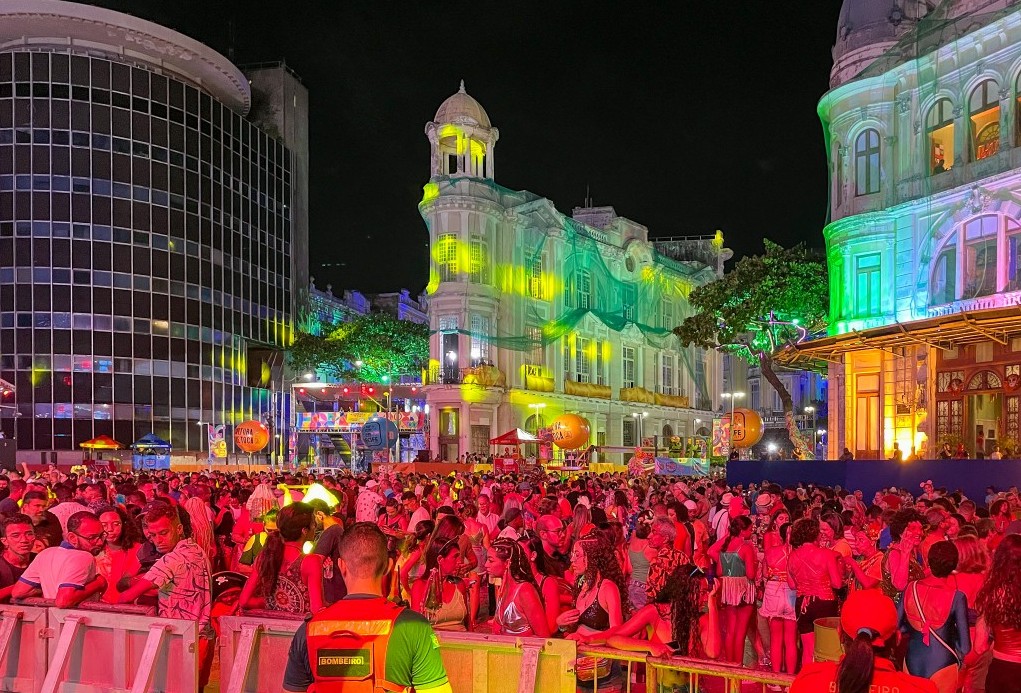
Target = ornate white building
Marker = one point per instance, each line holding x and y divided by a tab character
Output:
534	313
923	123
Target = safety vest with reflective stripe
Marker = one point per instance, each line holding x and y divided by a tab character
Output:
347	646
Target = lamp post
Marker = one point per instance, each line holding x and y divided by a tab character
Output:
639	418
811	411
821	432
733	397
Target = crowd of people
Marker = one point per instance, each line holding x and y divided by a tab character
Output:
662	565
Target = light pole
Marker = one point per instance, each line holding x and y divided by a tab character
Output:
639	418
821	432
811	412
733	397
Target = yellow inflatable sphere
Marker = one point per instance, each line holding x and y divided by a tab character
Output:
570	431
746	429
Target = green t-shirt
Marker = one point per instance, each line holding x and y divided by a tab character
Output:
412	655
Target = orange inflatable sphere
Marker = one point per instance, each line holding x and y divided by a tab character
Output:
251	436
746	429
570	431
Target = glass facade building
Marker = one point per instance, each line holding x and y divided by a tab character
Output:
146	269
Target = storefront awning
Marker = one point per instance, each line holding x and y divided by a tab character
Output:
942	332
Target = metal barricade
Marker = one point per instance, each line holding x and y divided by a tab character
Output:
23	647
483	663
682	673
120	650
253	651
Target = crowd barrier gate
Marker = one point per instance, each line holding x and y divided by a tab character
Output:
253	653
96	649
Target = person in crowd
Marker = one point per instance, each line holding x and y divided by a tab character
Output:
868	630
771	531
440	594
664	558
414	511
412	659
831	534
369	502
999	618
11	505
934	616
639	555
902	562
181	577
329	531
66	505
394	520
48	531
285	578
814	574
518	608
778	605
17	534
972	572
118	562
735	555
554	590
67	573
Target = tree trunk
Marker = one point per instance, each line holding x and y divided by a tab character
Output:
802	448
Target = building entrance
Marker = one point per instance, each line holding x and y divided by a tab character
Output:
983	416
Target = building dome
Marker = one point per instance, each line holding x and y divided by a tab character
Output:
462	108
867	28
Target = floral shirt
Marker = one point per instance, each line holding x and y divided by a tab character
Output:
367	506
184	583
661	568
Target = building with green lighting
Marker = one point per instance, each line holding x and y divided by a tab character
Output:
535	313
923	128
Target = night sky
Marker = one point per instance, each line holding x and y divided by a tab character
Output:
685	117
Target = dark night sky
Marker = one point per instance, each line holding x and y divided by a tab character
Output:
686	117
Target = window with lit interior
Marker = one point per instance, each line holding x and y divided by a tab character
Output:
866	162
939	129
979	277
968	265
984	110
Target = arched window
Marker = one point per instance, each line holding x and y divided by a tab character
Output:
984	110
668	432
939	129
944	274
1013	258
979	277
866	162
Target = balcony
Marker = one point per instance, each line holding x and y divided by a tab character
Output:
483	376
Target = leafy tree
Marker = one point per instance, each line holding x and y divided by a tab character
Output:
387	348
762	305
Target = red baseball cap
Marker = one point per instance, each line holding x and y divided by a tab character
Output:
871	610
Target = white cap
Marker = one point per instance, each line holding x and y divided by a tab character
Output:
371	483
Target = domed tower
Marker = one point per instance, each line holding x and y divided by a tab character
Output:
868	28
461	138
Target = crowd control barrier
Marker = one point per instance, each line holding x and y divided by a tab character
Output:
100	648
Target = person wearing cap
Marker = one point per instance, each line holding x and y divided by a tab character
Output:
721	520
868	625
369	502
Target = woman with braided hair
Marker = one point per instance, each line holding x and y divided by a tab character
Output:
519	610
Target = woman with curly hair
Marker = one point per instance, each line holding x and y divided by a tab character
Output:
600	603
814	574
999	622
519	610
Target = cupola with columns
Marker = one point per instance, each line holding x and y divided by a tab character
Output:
461	139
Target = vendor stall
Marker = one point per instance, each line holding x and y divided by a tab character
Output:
150	452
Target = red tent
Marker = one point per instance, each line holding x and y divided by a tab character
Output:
514	437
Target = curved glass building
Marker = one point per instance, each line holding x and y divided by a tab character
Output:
152	230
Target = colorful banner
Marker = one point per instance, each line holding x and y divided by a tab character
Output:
217	442
685	466
346	421
721	437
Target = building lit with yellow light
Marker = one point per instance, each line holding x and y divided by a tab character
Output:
153	231
534	313
923	128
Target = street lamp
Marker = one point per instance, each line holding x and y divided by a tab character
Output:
811	411
821	432
733	397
